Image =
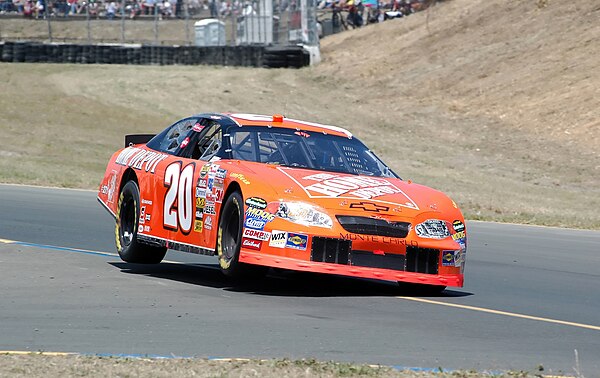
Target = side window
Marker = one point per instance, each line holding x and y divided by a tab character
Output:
209	143
176	136
171	139
243	145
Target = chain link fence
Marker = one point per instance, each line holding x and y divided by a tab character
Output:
161	22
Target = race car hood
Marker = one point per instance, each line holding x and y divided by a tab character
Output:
352	193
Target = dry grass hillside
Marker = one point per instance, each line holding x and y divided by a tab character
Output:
494	102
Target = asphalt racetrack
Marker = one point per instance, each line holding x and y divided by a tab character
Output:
531	298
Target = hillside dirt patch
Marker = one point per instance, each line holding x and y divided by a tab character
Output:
495	103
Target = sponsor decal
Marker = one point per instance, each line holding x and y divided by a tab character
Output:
373	239
329	185
240	177
208	221
251	233
259	214
458	226
185	142
210	183
218	183
257	202
215	117
449	258
146	228
201	183
148	217
254	223
146	202
221	173
198	225
458	236
369	206
251	244
109	189
460	232
302	134
218	195
142	215
139	158
198	127
210	208
200	192
204	171
140	228
199	214
200	203
459	258
278	239
296	241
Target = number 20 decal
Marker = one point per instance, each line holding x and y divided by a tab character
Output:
178	200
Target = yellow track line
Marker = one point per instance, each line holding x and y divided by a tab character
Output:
511	314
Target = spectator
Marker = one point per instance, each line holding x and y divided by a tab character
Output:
148	6
225	9
177	5
134	10
18	6
166	10
111	9
28	8
6	7
72	4
93	8
212	5
63	7
40	9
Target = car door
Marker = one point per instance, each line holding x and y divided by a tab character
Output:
164	202
193	185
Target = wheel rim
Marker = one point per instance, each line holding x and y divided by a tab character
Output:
127	221
231	234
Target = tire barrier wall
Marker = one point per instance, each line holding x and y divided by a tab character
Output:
248	56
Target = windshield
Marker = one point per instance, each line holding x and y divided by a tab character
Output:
302	149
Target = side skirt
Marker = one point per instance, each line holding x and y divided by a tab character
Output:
183	247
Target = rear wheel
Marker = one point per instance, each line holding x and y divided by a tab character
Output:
126	229
229	241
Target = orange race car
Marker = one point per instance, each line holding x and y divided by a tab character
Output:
268	191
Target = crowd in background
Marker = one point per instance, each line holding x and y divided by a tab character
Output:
360	12
99	8
373	10
111	9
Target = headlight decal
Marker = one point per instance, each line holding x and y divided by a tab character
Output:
304	214
432	229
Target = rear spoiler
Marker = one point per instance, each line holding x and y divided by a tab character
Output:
137	139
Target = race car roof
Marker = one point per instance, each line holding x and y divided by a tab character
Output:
280	121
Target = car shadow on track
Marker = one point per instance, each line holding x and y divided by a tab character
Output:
280	282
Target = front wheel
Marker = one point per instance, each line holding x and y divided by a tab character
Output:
126	228
229	241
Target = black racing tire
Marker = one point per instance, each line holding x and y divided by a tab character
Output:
420	289
229	241
126	228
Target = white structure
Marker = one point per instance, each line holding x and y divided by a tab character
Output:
210	32
256	25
